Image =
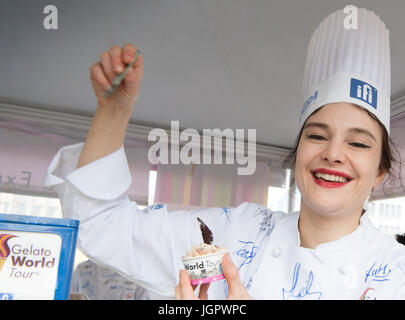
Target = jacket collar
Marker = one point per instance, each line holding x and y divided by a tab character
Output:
286	234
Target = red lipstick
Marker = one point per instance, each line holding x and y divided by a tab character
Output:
334	172
329	184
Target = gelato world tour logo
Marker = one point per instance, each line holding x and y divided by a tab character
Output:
4	248
26	260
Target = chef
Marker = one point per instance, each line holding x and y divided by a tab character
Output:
327	250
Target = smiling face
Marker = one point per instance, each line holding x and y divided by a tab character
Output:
337	162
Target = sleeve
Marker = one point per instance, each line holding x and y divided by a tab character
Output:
146	245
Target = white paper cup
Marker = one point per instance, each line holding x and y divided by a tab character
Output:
204	269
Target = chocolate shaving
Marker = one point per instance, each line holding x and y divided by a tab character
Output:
205	232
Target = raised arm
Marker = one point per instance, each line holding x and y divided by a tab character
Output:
110	121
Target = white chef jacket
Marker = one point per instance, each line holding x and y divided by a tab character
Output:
147	245
100	283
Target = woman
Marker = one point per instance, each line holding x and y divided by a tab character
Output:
328	250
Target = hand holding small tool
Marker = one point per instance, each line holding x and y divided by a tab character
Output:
116	77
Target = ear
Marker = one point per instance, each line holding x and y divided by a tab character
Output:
379	179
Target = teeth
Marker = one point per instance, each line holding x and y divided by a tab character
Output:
330	177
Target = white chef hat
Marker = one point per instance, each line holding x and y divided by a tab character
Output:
348	65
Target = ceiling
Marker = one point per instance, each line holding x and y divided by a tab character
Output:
208	64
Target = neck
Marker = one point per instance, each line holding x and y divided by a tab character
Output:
316	228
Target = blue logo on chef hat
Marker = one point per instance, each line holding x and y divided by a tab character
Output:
363	91
309	101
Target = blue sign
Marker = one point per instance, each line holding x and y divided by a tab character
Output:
364	92
65	229
6	296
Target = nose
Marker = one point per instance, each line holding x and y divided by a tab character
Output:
334	153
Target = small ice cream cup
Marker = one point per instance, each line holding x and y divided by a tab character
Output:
205	268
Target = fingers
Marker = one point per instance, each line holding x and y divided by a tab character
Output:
203	294
231	273
108	80
116	59
134	76
97	74
112	62
122	56
128	52
105	60
184	290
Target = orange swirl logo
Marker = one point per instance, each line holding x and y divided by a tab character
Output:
4	248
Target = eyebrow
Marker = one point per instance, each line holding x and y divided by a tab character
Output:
326	127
